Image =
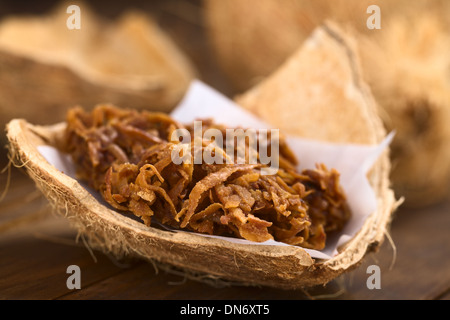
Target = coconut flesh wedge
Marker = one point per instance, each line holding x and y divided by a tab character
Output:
321	79
47	68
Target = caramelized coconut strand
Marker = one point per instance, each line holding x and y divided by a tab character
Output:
126	155
210	181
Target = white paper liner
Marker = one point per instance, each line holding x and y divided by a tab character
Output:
352	161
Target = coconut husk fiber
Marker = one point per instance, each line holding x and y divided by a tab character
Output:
406	64
47	68
304	83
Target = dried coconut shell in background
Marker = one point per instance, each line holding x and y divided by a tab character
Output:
252	38
406	63
209	258
47	68
408	70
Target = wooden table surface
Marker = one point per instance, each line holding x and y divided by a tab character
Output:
37	246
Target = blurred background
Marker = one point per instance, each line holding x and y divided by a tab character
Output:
160	54
181	20
147	58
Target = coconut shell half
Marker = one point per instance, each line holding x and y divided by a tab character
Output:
325	56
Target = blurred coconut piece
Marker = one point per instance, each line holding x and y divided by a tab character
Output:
297	88
47	68
406	63
408	70
254	37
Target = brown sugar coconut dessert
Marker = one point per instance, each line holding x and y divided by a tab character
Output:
128	157
306	84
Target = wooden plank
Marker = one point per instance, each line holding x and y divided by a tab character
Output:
445	295
143	282
422	262
34	260
18	198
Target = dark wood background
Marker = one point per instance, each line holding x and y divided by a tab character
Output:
36	246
